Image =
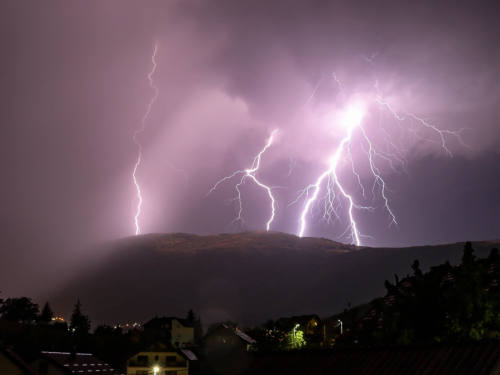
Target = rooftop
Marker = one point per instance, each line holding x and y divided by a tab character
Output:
80	363
481	357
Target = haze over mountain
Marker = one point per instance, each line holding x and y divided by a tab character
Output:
119	117
247	277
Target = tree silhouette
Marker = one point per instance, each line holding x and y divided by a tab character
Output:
47	314
103	330
79	322
191	316
416	268
198	330
20	310
468	257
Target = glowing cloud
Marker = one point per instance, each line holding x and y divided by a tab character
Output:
356	134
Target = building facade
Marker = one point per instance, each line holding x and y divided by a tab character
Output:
175	331
160	359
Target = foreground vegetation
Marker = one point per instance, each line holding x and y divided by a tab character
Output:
448	303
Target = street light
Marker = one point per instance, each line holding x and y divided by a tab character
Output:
156	369
341	327
294	339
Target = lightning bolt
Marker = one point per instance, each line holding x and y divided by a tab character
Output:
138	196
180	171
252	174
334	186
393	153
370	60
309	100
293	164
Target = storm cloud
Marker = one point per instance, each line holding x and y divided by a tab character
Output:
75	89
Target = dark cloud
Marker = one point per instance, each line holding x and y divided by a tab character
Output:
74	89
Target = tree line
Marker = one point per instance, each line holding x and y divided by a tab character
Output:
448	303
24	310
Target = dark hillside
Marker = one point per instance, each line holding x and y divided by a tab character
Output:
247	277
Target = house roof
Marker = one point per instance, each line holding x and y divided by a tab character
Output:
166	322
231	330
482	357
80	363
17	361
245	337
188	354
158	346
167	348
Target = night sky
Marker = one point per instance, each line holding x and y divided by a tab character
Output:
74	90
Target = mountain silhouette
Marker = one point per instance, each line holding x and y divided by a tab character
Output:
247	277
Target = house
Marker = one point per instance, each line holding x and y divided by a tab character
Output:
12	364
467	358
65	363
226	336
221	348
160	359
175	331
312	326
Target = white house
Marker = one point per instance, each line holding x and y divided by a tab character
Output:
159	359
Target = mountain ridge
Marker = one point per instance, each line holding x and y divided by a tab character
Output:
254	240
248	277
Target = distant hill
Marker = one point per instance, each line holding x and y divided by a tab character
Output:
247	277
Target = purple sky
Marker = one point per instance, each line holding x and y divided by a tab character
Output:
74	88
